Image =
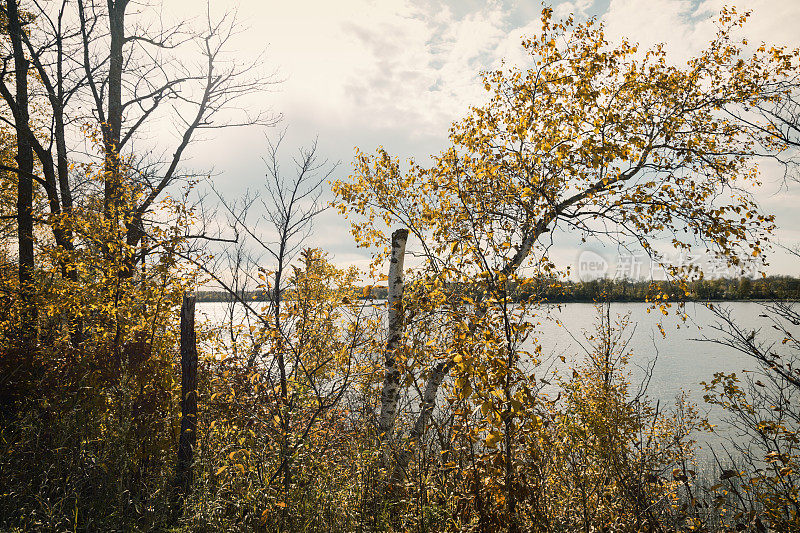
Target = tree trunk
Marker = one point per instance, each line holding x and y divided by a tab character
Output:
426	409
24	158
391	377
441	369
113	126
284	407
188	436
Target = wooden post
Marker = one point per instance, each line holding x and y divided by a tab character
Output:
188	436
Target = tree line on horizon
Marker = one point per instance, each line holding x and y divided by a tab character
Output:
773	287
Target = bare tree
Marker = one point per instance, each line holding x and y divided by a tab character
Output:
286	351
92	62
293	205
762	409
776	123
27	326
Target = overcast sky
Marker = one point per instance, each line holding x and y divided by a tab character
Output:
397	72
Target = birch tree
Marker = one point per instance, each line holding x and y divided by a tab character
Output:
392	373
608	143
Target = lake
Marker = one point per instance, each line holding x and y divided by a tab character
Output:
682	361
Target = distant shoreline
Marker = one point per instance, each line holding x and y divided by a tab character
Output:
565	301
550	290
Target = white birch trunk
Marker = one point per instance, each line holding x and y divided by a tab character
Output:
426	410
391	377
440	371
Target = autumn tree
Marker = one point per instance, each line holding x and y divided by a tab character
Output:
290	359
604	142
25	162
619	459
96	67
758	481
102	229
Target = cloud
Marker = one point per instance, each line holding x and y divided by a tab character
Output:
423	65
579	8
398	72
658	21
685	26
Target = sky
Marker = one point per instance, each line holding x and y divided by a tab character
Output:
396	73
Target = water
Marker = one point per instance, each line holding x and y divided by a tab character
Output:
682	361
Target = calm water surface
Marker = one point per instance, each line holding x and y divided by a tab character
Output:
682	361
